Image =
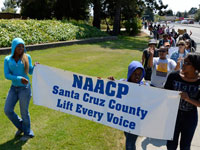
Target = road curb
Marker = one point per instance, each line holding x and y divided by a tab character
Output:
191	25
7	50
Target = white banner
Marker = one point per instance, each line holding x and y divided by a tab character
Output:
138	109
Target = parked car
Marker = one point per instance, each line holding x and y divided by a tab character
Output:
191	22
184	22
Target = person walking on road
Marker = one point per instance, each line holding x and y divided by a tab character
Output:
145	58
179	55
187	80
161	67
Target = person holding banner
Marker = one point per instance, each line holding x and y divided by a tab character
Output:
187	80
17	66
135	74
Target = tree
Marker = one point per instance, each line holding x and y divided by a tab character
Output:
197	15
116	26
97	13
37	9
148	14
47	9
134	9
178	14
10	6
185	15
192	11
71	9
169	12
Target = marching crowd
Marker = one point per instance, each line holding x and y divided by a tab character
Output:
177	71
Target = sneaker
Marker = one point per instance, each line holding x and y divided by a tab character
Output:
24	138
18	133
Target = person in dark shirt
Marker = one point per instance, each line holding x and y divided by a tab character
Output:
187	80
145	58
163	40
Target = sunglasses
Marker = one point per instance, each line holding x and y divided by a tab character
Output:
181	44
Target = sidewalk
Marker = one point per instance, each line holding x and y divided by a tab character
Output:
144	143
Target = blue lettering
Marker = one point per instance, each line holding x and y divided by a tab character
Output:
109	117
120	121
61	92
125	123
55	89
115	120
132	125
99	88
78	108
85	99
77	81
122	90
59	104
88	84
110	92
110	104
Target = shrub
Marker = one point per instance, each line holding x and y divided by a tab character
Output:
44	31
133	26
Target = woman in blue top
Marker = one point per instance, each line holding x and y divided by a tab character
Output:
179	55
17	66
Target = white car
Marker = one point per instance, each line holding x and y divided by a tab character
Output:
184	22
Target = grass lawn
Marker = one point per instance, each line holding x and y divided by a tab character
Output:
59	131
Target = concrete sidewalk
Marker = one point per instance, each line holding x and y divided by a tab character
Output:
144	143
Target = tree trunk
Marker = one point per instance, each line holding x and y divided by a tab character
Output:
116	26
97	13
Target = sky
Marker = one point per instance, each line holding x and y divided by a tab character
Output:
175	5
181	5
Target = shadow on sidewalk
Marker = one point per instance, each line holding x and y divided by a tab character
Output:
154	142
13	144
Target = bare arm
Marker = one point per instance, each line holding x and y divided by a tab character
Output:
143	57
150	61
185	97
178	63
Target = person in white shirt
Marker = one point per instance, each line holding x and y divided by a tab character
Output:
161	67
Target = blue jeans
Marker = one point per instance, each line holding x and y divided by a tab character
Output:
23	94
186	124
130	141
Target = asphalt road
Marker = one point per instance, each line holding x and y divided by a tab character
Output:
195	28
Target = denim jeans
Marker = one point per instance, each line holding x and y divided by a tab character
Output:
186	124
23	94
130	141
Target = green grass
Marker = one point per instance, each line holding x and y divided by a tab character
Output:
59	131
